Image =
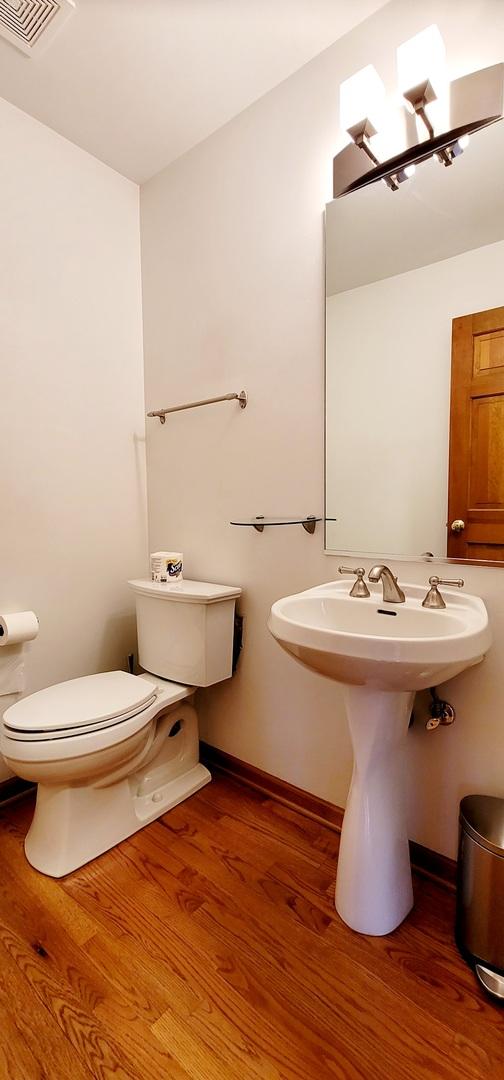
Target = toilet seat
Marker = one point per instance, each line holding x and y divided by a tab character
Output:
79	706
60	744
69	732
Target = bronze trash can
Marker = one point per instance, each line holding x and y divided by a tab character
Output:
480	889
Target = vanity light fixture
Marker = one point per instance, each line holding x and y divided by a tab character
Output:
363	113
434	119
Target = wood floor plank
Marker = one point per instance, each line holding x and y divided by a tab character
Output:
361	1004
204	1061
443	971
233	1002
411	966
222	842
225	916
406	959
71	917
207	946
37	1029
104	1017
272	821
16	1058
216	971
215	1047
94	1045
194	854
223	864
15	817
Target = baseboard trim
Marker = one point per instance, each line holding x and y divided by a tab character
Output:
12	789
424	861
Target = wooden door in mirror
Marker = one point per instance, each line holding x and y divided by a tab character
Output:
476	470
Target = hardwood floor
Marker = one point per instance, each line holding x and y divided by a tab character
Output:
207	946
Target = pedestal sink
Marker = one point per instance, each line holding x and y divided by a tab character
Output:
383	653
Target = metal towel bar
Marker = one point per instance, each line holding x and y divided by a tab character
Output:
242	397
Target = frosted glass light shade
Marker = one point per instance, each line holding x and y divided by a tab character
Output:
361	96
422	57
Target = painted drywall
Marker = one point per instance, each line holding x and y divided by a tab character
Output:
72	488
401	506
138	82
233	287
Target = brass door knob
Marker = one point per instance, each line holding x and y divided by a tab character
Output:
457	526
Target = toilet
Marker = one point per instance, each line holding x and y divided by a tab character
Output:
112	752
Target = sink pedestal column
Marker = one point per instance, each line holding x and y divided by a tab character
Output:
373	888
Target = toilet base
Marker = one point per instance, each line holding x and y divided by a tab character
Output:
73	825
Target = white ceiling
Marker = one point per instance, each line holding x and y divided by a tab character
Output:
139	82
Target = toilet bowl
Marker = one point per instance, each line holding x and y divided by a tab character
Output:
113	751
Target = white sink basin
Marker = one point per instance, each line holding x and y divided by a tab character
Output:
383	653
364	642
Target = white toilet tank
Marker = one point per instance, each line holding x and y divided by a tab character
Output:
185	630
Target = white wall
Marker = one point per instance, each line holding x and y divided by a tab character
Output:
232	249
72	487
388	401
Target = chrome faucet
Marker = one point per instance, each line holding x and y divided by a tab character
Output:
392	592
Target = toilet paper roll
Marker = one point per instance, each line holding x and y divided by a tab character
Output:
18	626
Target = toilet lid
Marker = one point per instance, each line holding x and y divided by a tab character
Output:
78	703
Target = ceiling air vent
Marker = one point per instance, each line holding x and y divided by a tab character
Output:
31	24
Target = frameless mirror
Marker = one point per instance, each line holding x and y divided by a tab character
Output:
415	362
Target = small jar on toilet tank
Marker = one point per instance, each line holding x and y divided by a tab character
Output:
166	566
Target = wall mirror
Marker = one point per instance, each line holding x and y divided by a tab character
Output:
414	442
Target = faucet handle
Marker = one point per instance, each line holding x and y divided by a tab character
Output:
359	588
434	598
458	582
